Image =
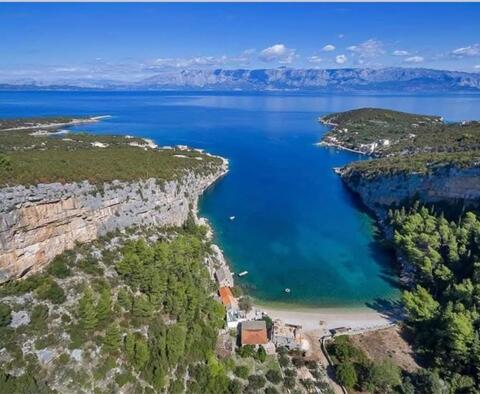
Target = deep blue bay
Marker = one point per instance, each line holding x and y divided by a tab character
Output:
296	225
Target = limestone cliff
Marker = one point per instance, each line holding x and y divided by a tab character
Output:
447	184
39	222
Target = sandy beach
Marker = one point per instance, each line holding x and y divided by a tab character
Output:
357	319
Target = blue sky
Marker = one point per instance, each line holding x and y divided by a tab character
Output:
132	41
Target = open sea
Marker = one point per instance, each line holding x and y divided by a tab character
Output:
296	225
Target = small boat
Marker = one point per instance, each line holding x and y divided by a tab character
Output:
232	218
243	273
287	290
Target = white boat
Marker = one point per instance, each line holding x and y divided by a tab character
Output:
243	273
232	218
287	290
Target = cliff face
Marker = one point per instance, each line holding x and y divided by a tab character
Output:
39	222
446	184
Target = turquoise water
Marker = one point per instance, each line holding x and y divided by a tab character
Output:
296	224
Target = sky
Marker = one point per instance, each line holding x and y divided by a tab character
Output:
132	41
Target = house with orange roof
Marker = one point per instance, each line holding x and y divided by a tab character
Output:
254	332
227	298
234	314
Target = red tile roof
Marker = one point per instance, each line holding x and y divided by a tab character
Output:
254	333
226	296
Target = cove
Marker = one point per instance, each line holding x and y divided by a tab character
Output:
296	226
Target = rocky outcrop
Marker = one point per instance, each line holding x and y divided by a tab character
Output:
447	184
39	222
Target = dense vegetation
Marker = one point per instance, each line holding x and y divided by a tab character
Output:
422	163
367	125
441	254
354	370
139	314
124	313
27	158
443	304
406	133
403	142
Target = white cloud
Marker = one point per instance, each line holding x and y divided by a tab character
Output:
477	67
368	49
328	48
67	69
200	61
315	59
341	35
471	50
399	52
249	51
341	59
414	59
278	53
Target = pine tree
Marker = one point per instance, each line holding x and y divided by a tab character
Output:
142	353
137	350
87	314
142	307
112	339
104	306
124	299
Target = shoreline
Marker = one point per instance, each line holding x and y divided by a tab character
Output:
357	320
319	320
92	119
338	146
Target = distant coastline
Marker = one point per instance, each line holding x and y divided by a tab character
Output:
56	125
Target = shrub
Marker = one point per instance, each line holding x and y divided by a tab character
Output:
50	290
384	376
245	304
46	341
59	268
89	265
308	384
247	351
241	371
5	315
346	375
123	378
39	317
23	286
290	372
235	386
177	387
298	362
284	360
273	376
271	390
261	354
256	382
289	382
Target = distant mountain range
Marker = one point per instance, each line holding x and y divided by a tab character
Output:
282	79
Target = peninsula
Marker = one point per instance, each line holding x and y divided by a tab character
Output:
423	185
